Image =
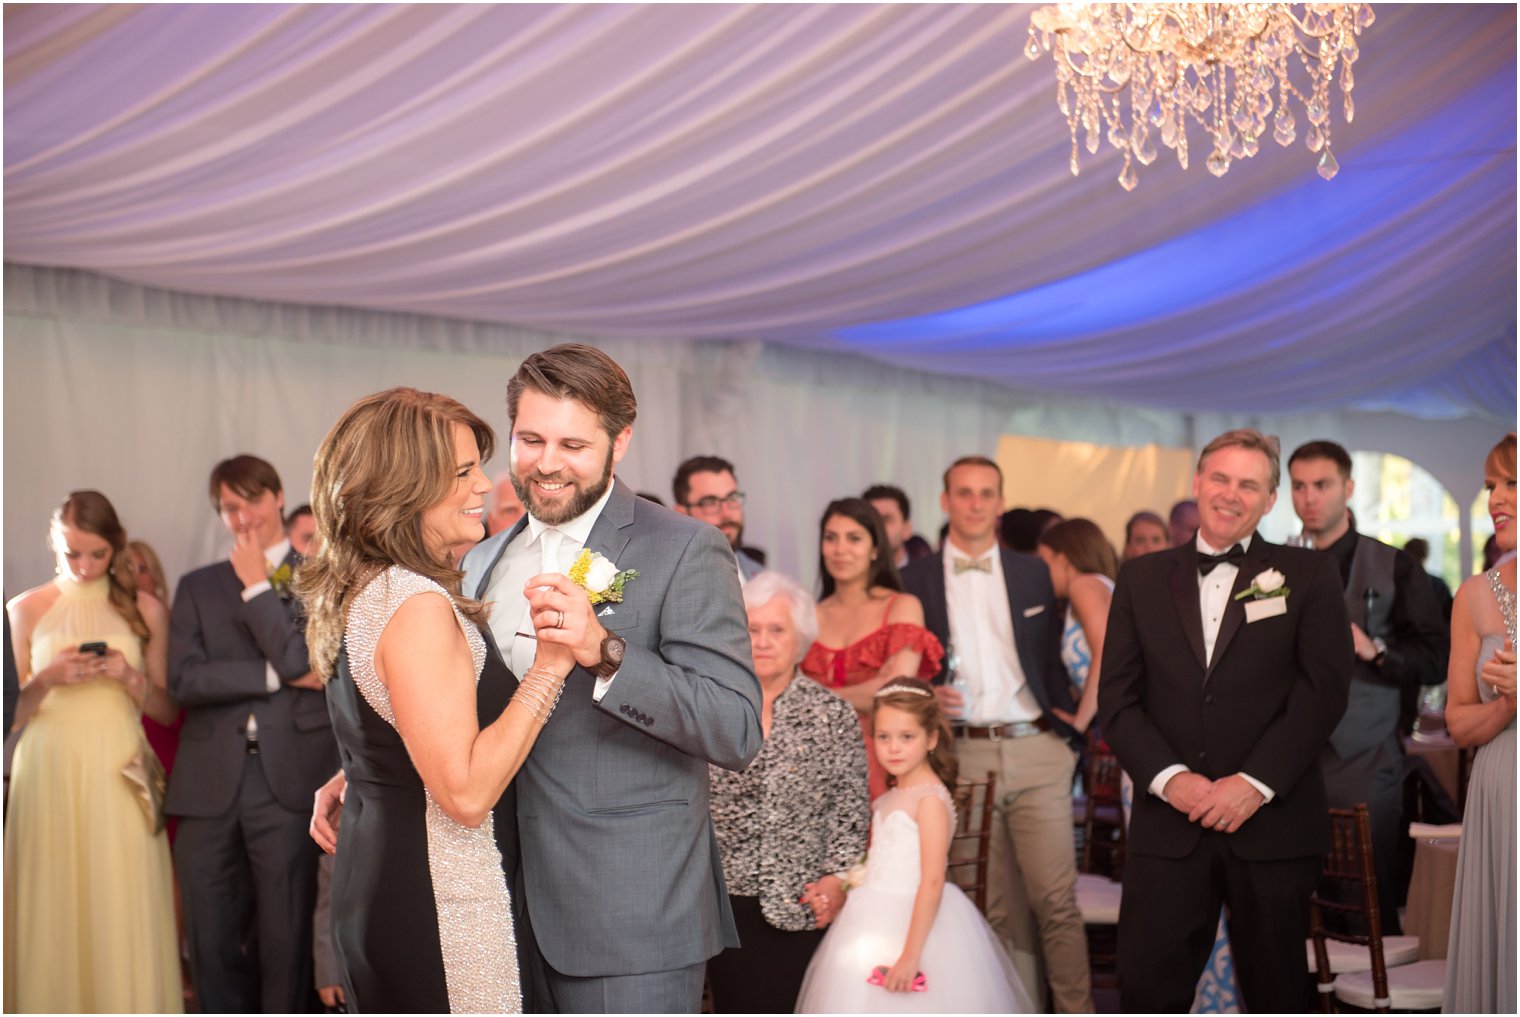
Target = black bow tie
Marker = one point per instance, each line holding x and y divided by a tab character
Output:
1207	562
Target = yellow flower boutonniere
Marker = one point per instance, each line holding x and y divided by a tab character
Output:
280	580
600	578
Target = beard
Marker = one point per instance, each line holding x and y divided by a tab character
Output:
584	496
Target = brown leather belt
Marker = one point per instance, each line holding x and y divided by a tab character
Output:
996	733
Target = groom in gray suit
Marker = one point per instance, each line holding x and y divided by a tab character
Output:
624	888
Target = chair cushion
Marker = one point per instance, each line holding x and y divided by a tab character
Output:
1348	957
1417	986
1098	899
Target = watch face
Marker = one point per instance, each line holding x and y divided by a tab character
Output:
612	649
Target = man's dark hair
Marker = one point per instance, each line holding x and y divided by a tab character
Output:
583	373
1020	529
297	513
247	476
1324	449
680	486
1418	548
881	492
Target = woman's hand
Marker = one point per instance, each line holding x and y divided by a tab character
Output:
114	665
70	667
1499	670
899	977
825	896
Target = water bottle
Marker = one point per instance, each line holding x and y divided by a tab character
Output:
957	681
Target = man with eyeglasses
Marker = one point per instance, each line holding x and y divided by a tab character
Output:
705	488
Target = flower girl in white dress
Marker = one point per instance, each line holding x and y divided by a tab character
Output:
906	942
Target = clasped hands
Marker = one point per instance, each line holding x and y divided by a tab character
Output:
1223	805
564	621
825	896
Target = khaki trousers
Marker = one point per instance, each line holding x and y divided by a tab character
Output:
1032	877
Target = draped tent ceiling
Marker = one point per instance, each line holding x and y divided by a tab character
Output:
887	180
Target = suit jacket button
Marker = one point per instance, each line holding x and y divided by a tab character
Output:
1203	755
1208	700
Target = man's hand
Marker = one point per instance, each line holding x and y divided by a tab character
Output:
248	559
1229	803
562	615
326	812
309	680
1499	670
1185	790
951	701
1362	645
332	996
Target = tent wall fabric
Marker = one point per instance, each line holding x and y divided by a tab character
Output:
138	392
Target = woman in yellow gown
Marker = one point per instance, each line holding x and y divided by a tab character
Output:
89	900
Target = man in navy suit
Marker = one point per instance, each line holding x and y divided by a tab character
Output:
994	611
1225	668
255	747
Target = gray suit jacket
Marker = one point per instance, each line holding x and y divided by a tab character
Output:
218	646
620	863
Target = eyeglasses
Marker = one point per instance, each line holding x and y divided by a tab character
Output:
712	501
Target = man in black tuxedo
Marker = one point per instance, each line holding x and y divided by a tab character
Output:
995	610
1225	668
255	747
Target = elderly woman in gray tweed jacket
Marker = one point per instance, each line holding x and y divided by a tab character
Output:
796	816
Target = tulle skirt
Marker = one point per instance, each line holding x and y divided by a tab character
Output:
965	968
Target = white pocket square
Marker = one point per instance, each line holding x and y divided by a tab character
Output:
1030	612
604	612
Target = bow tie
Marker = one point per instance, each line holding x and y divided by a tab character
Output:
1207	562
972	565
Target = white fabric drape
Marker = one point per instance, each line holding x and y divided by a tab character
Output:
139	392
885	179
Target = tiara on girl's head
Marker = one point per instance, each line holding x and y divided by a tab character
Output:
889	687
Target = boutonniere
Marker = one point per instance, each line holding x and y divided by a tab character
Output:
1266	584
600	578
280	580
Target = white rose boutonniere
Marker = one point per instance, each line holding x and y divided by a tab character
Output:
600	578
1266	584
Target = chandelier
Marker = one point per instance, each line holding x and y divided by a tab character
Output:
1135	73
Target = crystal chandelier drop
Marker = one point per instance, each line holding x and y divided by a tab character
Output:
1138	72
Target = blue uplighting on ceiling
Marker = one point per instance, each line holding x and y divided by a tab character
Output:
1281	235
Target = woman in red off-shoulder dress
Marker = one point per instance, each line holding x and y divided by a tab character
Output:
868	630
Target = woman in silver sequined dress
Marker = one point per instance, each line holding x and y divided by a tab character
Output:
429	727
1480	710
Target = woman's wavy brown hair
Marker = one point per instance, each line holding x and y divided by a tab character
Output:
1084	545
92	512
911	695
389	458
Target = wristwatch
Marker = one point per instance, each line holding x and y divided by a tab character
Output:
1382	651
613	648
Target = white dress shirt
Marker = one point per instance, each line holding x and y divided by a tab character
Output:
523	559
1213	597
275	556
981	629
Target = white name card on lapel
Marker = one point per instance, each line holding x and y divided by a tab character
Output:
1267	607
1030	612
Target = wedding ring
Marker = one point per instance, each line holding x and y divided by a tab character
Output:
561	623
1221	825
